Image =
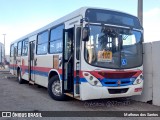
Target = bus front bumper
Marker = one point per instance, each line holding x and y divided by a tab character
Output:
89	92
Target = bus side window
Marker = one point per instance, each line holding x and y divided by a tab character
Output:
55	42
25	47
19	48
42	43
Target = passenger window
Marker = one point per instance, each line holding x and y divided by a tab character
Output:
42	43
55	42
25	47
19	48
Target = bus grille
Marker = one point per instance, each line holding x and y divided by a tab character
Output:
119	75
117	91
116	82
122	83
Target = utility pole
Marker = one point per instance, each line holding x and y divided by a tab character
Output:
4	47
140	11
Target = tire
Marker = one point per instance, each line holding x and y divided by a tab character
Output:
54	89
19	77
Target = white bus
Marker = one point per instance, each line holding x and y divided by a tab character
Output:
91	53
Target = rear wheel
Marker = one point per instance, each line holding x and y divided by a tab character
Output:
19	77
54	89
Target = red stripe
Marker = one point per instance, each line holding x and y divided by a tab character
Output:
94	73
43	69
13	65
101	76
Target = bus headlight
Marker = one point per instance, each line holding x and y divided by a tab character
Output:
91	79
137	81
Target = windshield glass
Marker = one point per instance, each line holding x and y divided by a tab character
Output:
112	17
112	47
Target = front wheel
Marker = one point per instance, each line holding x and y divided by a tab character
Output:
54	89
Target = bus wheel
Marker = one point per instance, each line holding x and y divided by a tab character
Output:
19	77
54	89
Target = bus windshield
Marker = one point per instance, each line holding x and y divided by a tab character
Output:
112	17
113	47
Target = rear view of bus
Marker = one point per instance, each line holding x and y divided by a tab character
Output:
111	61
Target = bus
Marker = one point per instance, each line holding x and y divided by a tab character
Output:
91	53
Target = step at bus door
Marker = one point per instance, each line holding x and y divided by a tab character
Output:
68	62
31	61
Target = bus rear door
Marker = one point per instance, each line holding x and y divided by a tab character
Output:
31	62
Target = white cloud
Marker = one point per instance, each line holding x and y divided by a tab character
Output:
153	12
152	25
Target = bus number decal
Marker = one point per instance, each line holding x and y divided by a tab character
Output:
104	56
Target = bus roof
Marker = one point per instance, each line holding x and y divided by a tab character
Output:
76	13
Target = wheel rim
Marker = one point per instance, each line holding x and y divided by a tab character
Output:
56	88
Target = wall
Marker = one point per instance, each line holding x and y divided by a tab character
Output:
156	72
151	60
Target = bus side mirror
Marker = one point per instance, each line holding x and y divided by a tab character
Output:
85	34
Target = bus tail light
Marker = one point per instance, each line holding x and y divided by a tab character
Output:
91	79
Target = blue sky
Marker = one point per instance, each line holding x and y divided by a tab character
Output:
20	17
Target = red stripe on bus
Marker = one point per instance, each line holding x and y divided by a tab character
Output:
94	73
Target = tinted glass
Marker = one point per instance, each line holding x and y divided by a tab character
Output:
110	50
42	48
42	43
19	48
55	45
43	37
112	17
25	47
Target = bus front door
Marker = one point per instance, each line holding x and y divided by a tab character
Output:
68	62
31	62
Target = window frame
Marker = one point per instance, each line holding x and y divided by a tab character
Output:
19	49
26	54
42	43
49	41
